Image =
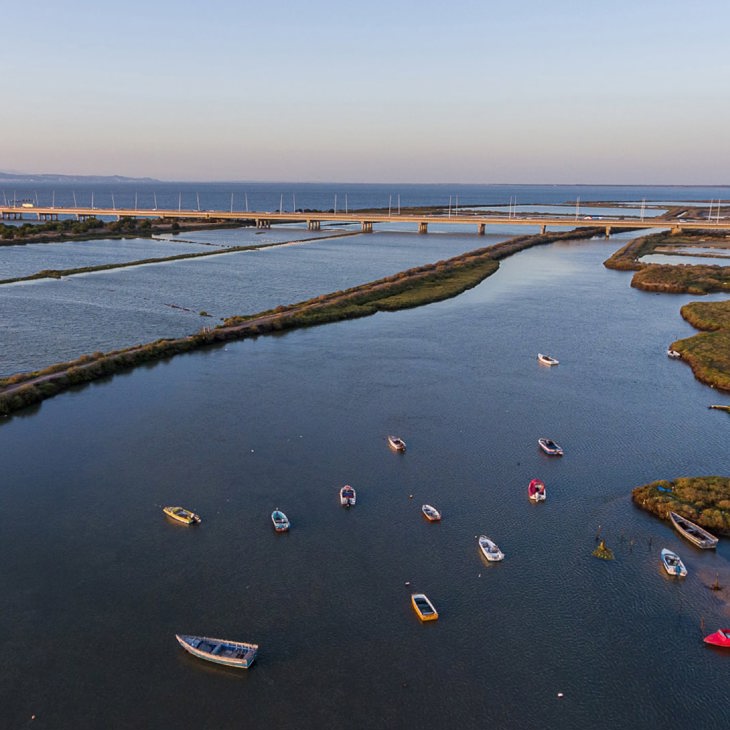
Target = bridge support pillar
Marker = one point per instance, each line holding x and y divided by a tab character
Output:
608	231
481	229
263	223
366	226
313	225
423	227
543	228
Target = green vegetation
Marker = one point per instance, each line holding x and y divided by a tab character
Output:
410	288
674	279
704	500
603	551
708	316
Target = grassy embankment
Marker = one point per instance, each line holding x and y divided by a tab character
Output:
94	228
708	353
411	288
703	500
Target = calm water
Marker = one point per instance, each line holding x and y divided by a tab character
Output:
96	582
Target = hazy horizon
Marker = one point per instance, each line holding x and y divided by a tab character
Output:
392	92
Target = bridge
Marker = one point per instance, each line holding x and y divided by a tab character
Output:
366	220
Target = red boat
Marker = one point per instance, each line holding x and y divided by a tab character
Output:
536	491
720	638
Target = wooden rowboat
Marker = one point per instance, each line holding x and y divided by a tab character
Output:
396	443
694	533
423	607
550	447
431	513
236	654
280	520
347	496
546	359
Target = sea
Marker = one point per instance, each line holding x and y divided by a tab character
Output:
97	581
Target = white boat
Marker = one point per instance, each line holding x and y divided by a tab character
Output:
280	520
672	563
550	447
673	354
694	533
431	513
237	654
396	443
546	359
489	549
347	496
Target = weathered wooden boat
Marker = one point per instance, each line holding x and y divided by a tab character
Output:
721	637
236	654
536	491
180	514
280	520
396	443
672	563
423	607
694	533
550	447
431	513
347	496
546	359
673	354
489	549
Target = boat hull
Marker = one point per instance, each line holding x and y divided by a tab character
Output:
673	564
423	607
536	491
348	496
546	360
431	513
721	637
490	550
694	533
236	654
181	515
397	444
550	447
280	520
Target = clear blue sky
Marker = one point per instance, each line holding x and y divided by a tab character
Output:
621	91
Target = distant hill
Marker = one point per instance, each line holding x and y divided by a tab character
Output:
25	178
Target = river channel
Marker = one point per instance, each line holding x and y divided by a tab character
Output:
98	582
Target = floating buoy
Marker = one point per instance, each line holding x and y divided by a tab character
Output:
410	496
407	582
560	694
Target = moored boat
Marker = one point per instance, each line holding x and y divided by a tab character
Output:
673	354
237	654
431	513
396	443
180	514
536	490
423	607
721	637
672	563
489	549
347	496
280	520
550	447
694	533
546	359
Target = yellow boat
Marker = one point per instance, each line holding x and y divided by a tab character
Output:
182	515
423	607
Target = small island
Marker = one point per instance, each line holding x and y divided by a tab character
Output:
703	500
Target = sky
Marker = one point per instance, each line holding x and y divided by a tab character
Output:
516	91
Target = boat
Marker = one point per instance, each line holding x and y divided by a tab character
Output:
673	354
280	520
396	443
489	549
536	491
672	563
720	638
694	533
431	513
423	607
237	654
180	514
546	359
347	496
550	447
